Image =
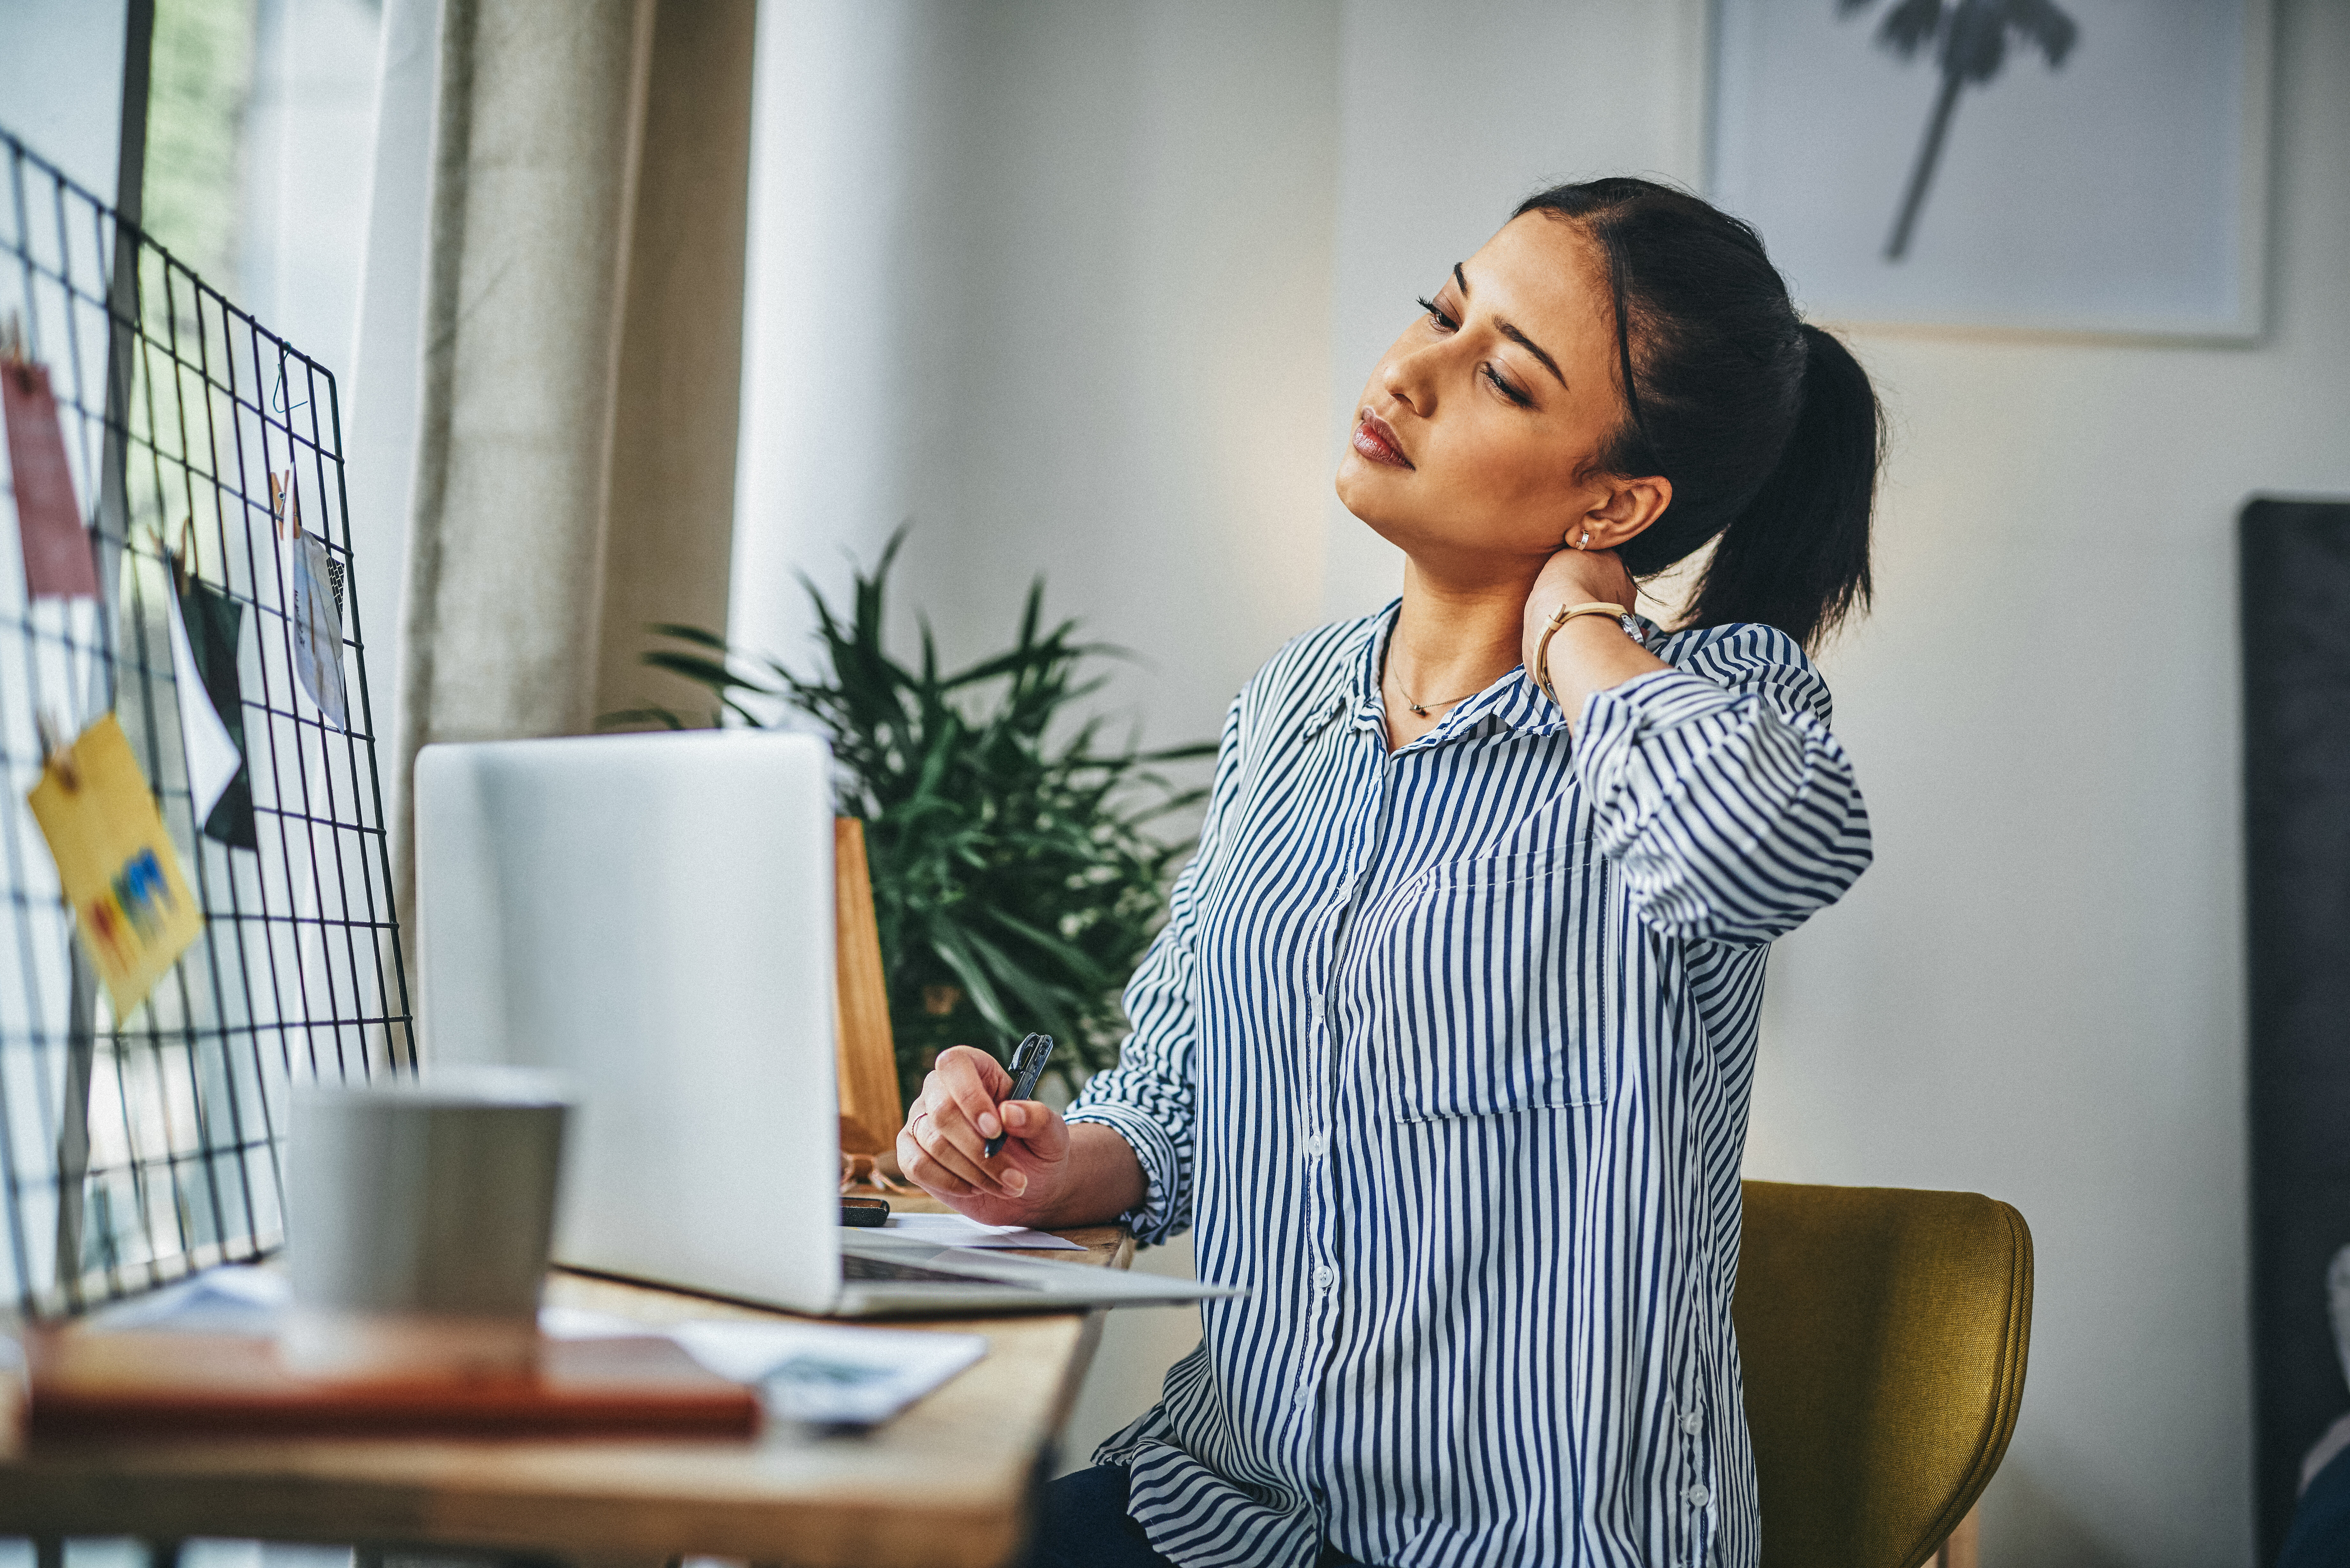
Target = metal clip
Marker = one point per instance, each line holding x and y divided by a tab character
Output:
57	750
181	561
277	399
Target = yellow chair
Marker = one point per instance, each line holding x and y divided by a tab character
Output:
1883	1334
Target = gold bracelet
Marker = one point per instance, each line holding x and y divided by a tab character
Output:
1559	618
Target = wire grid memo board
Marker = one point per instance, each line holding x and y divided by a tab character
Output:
135	1149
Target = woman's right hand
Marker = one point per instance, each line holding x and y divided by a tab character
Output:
941	1148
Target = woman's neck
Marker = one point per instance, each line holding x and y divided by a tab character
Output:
1456	636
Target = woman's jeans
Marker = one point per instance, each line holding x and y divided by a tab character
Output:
1084	1524
2320	1537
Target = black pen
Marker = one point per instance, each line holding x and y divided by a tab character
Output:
1028	1061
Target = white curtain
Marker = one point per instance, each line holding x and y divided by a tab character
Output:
535	169
582	307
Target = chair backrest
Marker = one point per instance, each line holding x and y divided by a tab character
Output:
1883	1334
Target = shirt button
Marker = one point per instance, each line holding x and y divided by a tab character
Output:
1315	1145
1696	1496
1692	1423
1316	1010
1324	1277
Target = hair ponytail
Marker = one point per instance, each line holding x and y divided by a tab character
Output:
1796	555
1767	427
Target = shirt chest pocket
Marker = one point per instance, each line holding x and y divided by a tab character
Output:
1500	988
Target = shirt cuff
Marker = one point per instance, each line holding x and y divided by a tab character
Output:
1618	717
1157	1217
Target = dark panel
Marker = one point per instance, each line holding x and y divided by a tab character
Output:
2296	584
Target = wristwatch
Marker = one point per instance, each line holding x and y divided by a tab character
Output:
1559	618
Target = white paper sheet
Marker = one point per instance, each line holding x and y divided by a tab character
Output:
235	1299
957	1230
829	1376
814	1373
318	621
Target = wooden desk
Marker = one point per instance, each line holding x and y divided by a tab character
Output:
946	1485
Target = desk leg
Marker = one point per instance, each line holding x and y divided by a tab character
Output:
1964	1547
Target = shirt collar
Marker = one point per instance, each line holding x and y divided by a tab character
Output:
1521	707
1350	678
1352	690
1511	705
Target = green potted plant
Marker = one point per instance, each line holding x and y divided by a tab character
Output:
1018	865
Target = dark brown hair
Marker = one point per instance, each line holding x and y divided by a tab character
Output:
1766	426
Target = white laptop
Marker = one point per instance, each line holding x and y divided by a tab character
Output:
653	915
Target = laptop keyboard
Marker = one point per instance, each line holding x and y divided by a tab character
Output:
853	1267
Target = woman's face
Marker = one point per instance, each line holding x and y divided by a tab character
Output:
1476	440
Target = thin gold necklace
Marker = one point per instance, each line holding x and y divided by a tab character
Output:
1420	708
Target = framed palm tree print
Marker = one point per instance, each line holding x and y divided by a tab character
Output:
2037	166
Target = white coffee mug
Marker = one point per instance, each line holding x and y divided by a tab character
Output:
419	1216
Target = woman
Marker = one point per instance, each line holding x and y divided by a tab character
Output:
1446	1048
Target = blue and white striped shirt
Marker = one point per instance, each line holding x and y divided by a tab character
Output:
1446	1054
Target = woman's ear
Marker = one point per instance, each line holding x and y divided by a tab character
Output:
1631	505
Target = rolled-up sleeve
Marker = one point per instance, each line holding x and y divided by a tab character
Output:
1151	1097
1720	793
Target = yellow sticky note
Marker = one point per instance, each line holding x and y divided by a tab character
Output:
131	904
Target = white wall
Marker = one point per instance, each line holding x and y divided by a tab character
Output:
1091	289
383	395
303	238
303	233
2037	992
61	84
61	93
1449	117
1050	280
